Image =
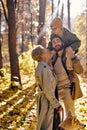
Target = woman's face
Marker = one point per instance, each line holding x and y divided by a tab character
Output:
47	53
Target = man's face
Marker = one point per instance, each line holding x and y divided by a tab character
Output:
57	43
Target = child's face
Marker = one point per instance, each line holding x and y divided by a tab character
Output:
57	31
57	43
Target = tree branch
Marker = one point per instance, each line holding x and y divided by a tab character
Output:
6	18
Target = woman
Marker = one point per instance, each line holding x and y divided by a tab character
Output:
45	79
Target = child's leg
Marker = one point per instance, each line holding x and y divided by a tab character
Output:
70	70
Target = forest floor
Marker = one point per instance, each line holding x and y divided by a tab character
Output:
18	109
17	106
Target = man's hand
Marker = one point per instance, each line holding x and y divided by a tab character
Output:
70	52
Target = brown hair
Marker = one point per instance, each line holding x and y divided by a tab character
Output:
37	53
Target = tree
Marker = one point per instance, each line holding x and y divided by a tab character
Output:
42	8
23	28
86	33
52	6
12	42
68	7
58	8
4	11
1	64
62	10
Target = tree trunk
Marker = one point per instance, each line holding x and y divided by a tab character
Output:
58	8
42	8
68	7
62	10
1	65
52	7
31	31
86	33
23	30
12	42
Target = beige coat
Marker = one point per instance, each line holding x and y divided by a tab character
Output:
46	101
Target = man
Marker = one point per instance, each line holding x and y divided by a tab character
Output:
63	82
71	41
